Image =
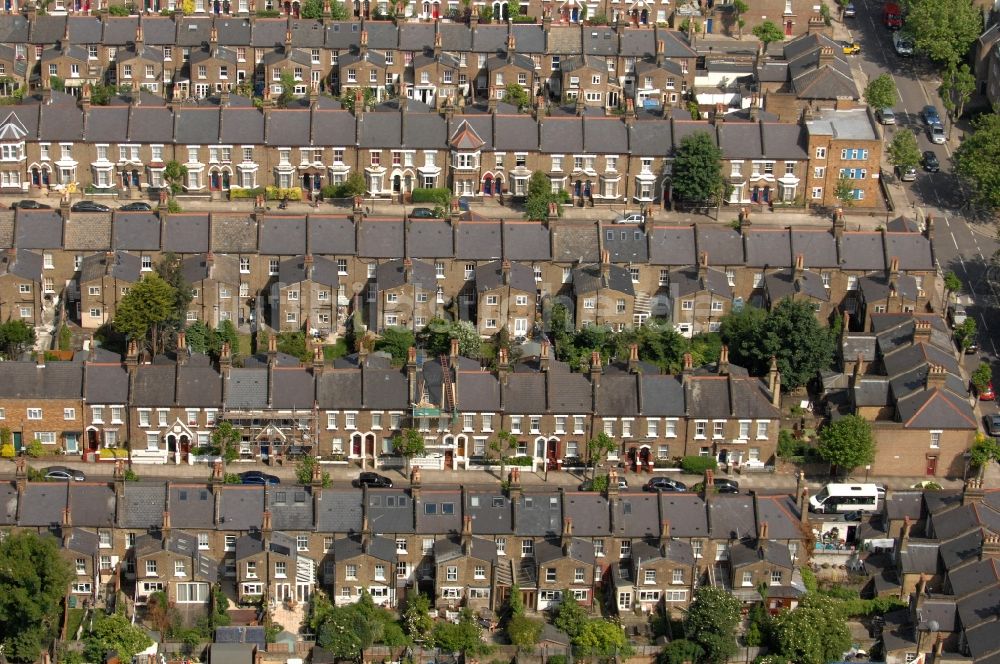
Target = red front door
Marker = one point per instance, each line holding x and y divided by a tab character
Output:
932	466
788	28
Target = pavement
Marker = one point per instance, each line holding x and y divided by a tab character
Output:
342	475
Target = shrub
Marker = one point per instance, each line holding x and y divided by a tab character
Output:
236	194
7	451
281	193
114	453
173	206
118	10
34	448
697	465
233	478
439	196
130	475
519	461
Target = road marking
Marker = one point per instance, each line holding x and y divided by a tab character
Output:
985	326
955	242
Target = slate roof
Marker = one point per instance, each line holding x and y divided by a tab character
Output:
330	235
538	514
53	380
527	241
37	229
136	231
143	504
338	510
186	233
591	278
106	383
390	511
191	506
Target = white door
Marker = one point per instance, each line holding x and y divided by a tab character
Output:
520	327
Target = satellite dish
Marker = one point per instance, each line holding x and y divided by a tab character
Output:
934	626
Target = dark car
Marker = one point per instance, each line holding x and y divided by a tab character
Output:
722	485
373	480
931	163
664	484
992	423
257	478
422	213
64	474
138	206
28	204
89	206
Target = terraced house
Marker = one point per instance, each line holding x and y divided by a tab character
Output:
462	547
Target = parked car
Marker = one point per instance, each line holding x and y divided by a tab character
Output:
664	484
373	480
850	11
64	474
902	45
936	134
931	163
992	423
851	47
588	485
257	478
89	206
631	218
724	485
886	116
29	204
907	174
987	394
930	115
422	213
138	206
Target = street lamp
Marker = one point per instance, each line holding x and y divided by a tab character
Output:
867	470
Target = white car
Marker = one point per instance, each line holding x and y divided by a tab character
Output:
631	218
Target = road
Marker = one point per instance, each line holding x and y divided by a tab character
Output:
962	242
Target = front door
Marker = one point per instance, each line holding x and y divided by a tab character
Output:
488	187
185	448
449	460
552	454
632	457
93	440
356	446
708	26
644	456
932	466
17	442
788	28
370	445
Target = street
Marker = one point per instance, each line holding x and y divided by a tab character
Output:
963	242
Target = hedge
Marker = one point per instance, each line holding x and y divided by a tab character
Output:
439	196
697	465
236	193
279	193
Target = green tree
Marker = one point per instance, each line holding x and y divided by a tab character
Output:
881	91
977	160
16	337
697	170
814	633
294	344
705	348
570	617
943	29
436	337
789	332
57	84
847	443
287	89
513	9
465	637
226	438
174	174
844	191
33	581
903	150
711	623
503	445
171	269
312	10
338	11
982	376
515	95
408	444
397	341
768	32
305	468
952	284
417	621
524	632
197	336
536	203
602	639
680	651
368	98
740	7
965	334
984	451
598	449
515	603
117	634
225	333
144	309
957	86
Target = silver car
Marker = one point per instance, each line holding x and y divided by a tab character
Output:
937	134
886	116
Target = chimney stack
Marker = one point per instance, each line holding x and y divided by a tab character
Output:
921	331
774	382
804	505
543	356
762	532
839	224
972	492
415	483
633	358
467	535
724	360
567	534
937	376
904	534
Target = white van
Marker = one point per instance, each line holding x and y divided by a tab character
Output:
846	498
